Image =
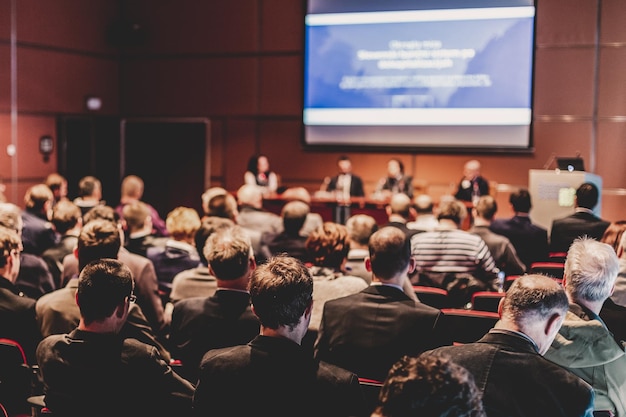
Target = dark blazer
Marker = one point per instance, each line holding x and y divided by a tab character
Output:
17	318
395	185
53	257
37	233
529	240
465	194
614	316
34	278
565	230
276	377
369	331
517	381
200	324
356	185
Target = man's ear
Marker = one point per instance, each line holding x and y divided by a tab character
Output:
76	252
368	264
500	304
553	324
388	210
412	265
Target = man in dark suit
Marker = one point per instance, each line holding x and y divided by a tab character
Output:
200	324
530	240
273	374
583	222
369	331
346	180
508	363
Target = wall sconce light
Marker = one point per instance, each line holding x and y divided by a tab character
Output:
93	103
46	146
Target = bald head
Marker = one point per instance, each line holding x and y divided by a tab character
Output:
471	169
424	204
401	205
250	195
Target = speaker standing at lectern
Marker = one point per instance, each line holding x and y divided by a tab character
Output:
472	185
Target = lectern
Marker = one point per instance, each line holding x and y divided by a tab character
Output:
553	193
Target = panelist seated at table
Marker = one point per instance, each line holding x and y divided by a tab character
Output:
259	173
345	182
396	181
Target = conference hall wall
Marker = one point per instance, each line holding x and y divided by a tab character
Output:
239	64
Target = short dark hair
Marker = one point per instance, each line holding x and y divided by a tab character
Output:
486	207
587	195
228	252
65	215
452	210
520	200
88	185
390	252
429	385
281	290
98	239
294	214
209	226
102	285
103	212
328	245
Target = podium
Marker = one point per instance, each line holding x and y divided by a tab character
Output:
553	193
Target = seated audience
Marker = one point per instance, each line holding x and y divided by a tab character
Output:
67	220
252	215
38	233
584	345
178	252
58	185
367	332
131	191
139	234
57	311
17	315
613	234
276	374
429	386
89	194
396	180
313	220
500	247
472	184
211	206
581	223
425	218
530	240
225	318
507	363
327	247
94	371
399	212
453	259
260	175
289	241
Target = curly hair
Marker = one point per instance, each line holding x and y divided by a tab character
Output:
328	245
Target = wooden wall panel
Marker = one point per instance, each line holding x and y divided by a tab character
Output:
611	154
566	22
281	91
282	25
5	78
5	20
241	143
612	28
612	82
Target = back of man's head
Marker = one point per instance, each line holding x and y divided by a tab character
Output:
297	193
328	245
587	195
98	239
132	186
281	290
591	268
103	285
390	252
65	216
528	305
89	186
452	209
429	385
401	204
251	195
360	228
9	242
228	252
11	217
294	215
486	207
182	223
423	204
222	205
520	200
37	196
135	215
209	226
102	212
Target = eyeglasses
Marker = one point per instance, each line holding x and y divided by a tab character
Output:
132	298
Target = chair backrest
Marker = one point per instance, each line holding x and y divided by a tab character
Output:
432	296
371	390
466	326
16	377
552	269
486	300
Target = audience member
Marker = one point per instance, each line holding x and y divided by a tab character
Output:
57	311
507	363
530	240
313	220
613	312
399	212
396	180
277	375
360	227
67	221
89	194
17	314
33	279
38	233
95	371
252	215
613	234
584	345
212	206
500	247
58	185
224	319
144	275
425	218
453	259
289	241
259	174
198	281
138	228
429	386
581	223
131	191
178	252
327	248
345	183
473	184
367	332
